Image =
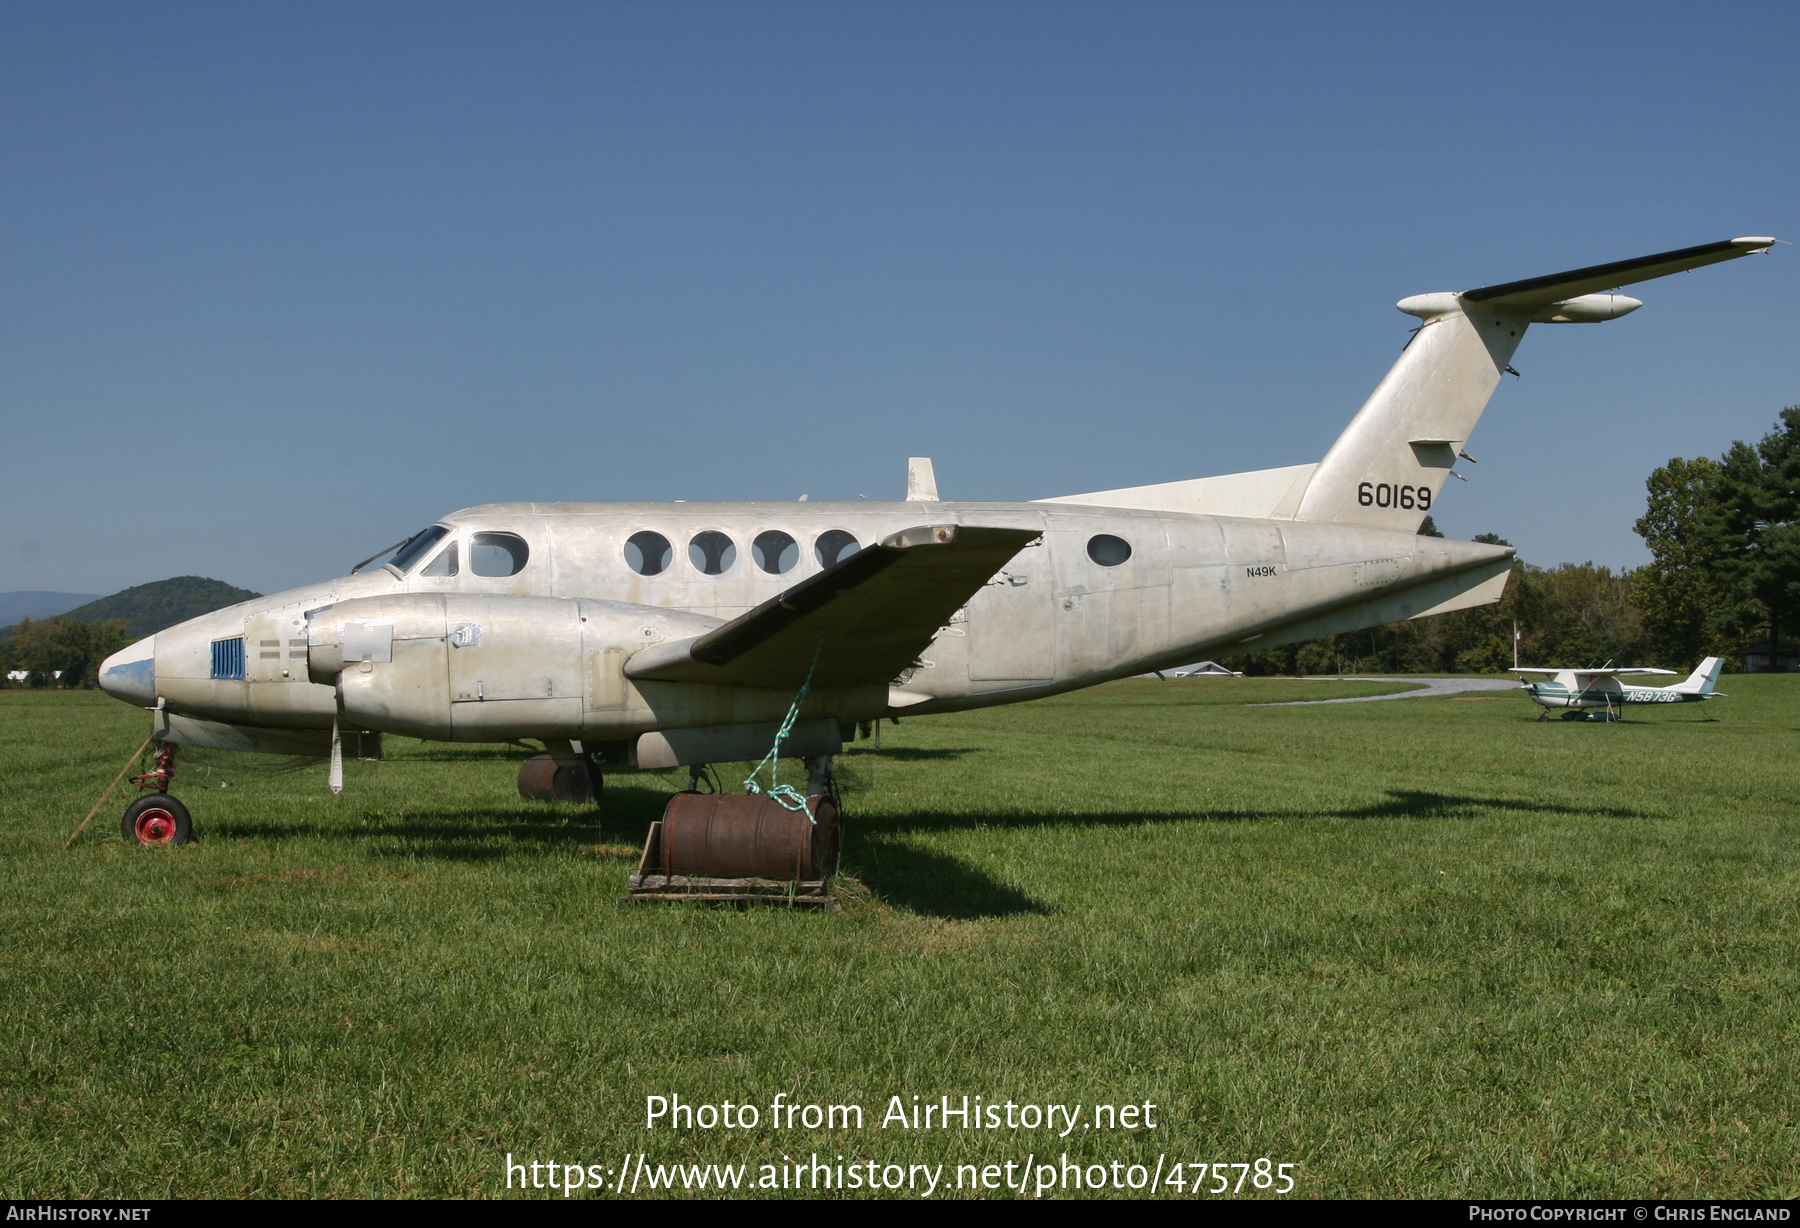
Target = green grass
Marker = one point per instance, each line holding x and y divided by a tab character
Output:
1428	947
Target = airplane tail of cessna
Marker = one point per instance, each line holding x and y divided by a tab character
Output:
1388	467
1703	679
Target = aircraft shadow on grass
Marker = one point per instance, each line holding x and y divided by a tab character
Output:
482	833
1397	804
925	882
919	754
932	884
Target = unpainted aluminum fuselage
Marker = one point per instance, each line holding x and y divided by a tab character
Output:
1053	619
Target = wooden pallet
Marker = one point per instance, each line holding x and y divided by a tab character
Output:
645	885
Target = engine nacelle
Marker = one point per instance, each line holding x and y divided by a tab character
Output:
388	658
451	666
476	668
465	667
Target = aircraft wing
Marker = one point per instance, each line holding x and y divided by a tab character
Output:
1536	292
867	617
1592	673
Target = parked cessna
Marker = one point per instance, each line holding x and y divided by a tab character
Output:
1588	693
668	634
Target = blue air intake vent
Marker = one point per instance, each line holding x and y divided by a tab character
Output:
228	658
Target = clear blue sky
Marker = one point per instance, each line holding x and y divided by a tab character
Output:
284	283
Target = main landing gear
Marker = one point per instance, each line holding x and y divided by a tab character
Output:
543	778
156	818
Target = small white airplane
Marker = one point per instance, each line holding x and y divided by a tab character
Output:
1599	690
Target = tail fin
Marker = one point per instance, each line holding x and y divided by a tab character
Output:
1389	465
1702	680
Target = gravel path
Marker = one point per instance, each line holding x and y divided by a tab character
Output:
1426	688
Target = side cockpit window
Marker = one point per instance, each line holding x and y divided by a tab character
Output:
497	554
444	564
417	548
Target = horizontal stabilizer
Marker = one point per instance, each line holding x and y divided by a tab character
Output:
866	618
1533	292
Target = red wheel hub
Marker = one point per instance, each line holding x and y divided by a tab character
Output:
155	826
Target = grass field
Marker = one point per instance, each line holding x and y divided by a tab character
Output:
1426	947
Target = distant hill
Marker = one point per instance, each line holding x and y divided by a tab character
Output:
14	606
151	607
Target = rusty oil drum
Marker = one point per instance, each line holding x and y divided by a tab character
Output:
541	780
731	835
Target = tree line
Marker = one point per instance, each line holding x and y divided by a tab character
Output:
66	651
61	651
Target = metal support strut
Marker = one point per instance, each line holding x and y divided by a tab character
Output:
159	776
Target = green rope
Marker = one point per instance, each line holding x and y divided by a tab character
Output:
786	796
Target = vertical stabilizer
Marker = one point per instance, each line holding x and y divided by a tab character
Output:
1391	462
1704	679
1388	466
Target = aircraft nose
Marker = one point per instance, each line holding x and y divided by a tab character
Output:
130	673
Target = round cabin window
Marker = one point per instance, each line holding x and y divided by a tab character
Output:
712	553
497	554
775	552
648	553
1107	550
834	547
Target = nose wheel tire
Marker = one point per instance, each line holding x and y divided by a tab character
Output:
157	820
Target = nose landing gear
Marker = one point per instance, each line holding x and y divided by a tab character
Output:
157	819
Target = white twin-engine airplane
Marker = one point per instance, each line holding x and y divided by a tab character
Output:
667	634
1582	689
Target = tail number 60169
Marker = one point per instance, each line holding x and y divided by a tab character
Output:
1381	494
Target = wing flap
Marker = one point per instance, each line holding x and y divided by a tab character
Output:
865	618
